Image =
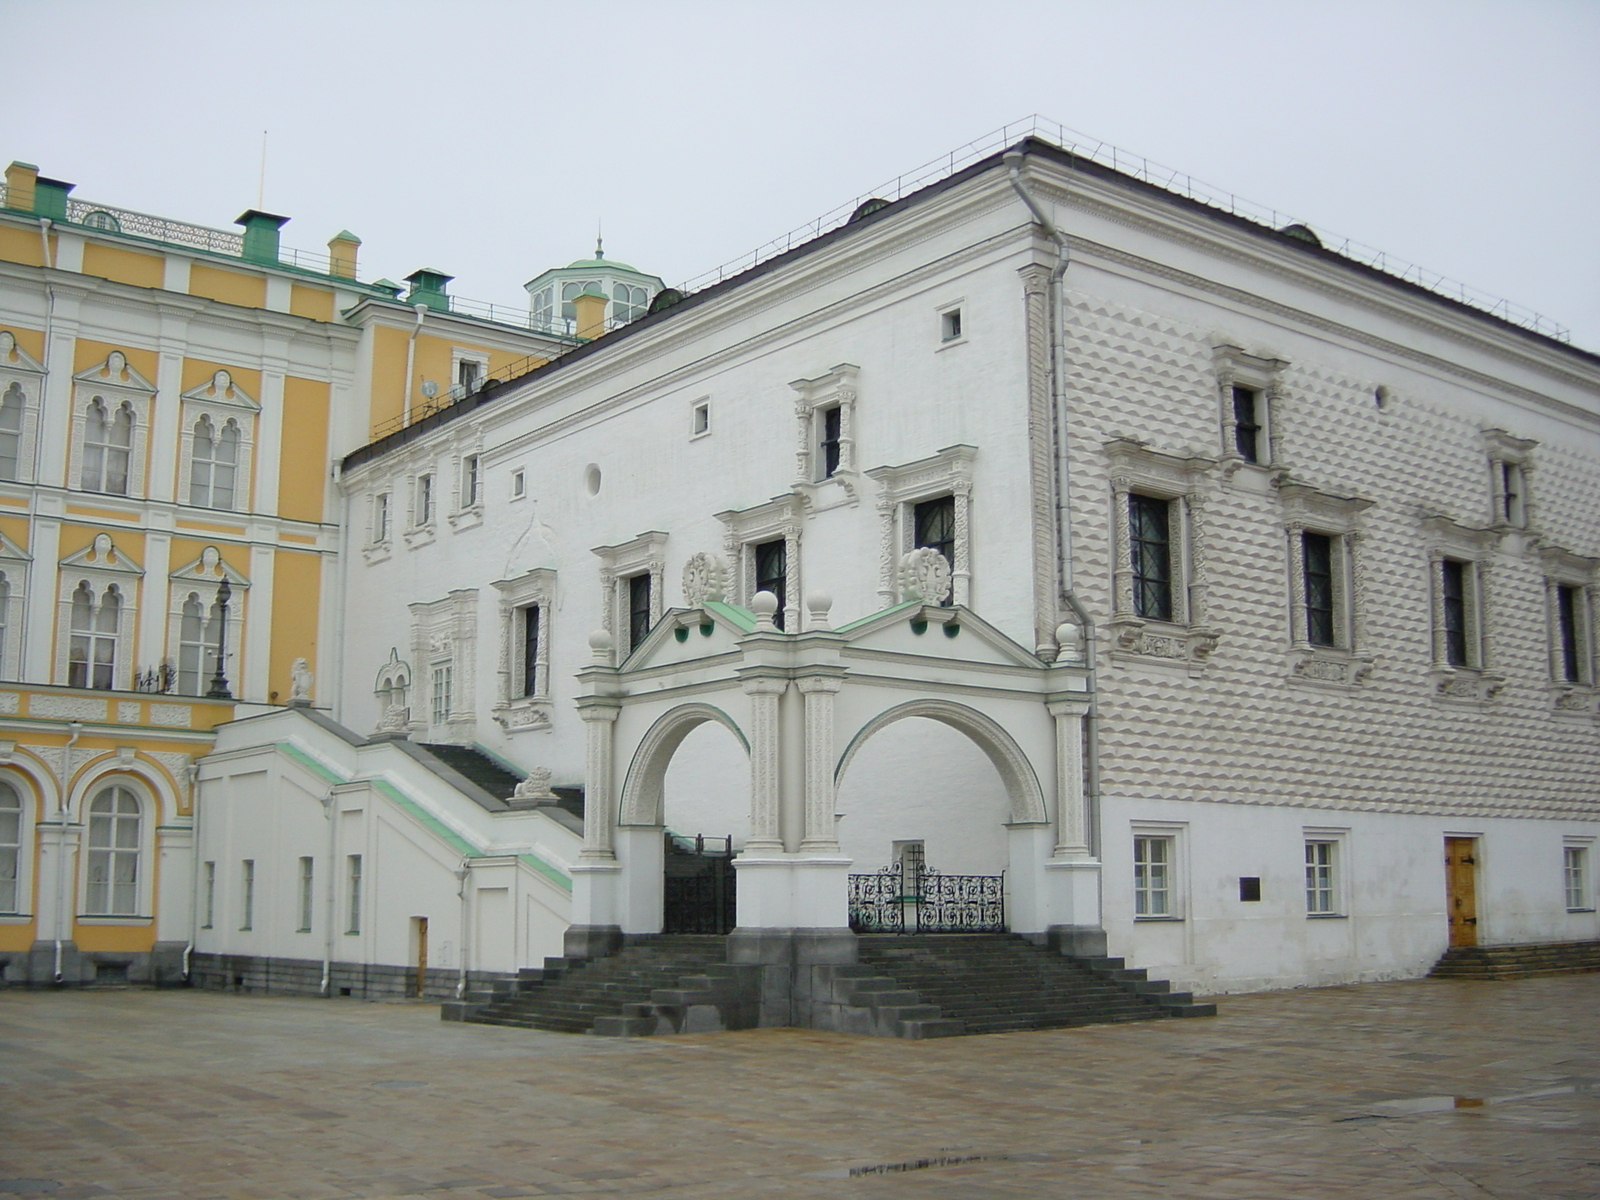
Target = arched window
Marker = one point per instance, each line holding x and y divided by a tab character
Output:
113	854
197	644
10	848
107	447
11	431
214	464
92	659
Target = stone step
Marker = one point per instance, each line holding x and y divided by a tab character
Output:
1518	961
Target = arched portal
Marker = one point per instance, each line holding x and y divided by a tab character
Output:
642	788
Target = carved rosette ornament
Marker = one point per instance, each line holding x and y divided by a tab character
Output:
924	576
705	577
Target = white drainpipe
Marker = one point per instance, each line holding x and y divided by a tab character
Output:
411	357
61	846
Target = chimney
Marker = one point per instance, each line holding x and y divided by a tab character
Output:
591	310
260	235
50	198
21	179
342	248
427	287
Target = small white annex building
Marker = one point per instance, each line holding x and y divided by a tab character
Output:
1230	603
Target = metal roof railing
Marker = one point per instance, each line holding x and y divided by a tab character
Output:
1148	171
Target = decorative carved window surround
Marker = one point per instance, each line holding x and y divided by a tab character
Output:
812	398
102	564
15	568
113	382
1188	639
378	549
201	578
445	633
1516	454
20	368
947	473
220	399
646	553
746	528
1478	682
513	711
421	527
464	515
1347	663
1562	568
1236	367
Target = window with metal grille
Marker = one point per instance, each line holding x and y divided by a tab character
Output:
1317	555
92	653
1319	878
1453	583
1569	604
113	854
1247	423
1150	542
771	573
828	443
638	609
1152	876
530	650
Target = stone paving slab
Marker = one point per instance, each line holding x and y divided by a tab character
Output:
1331	1093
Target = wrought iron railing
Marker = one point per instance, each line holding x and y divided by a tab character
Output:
698	885
893	900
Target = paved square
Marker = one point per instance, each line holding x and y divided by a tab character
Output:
1408	1090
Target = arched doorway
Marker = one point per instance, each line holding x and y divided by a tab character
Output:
688	793
927	794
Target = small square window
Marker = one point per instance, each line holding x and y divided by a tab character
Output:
700	418
950	324
519	484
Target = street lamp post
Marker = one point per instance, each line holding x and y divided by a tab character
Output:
219	681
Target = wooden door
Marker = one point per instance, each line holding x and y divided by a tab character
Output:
1461	889
422	953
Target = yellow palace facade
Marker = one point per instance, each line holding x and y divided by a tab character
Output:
171	397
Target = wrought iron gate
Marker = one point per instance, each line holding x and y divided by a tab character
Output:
697	888
908	897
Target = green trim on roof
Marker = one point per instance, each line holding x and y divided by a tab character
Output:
554	874
309	763
881	612
742	617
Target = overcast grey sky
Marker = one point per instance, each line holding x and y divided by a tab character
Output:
487	139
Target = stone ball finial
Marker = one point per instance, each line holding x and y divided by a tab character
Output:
601	642
764	605
818	602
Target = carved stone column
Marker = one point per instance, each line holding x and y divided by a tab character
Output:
1041	455
804	472
1592	594
1356	541
1552	613
1196	608
1230	421
888	560
1072	815
599	782
765	692
1299	633
1441	650
792	586
819	833
1482	600
1122	570
1277	398
961	573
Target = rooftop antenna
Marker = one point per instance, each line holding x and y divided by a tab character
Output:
599	240
261	179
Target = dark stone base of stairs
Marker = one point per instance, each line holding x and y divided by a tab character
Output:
1529	961
998	983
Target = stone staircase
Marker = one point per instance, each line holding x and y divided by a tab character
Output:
672	983
477	767
1518	962
997	983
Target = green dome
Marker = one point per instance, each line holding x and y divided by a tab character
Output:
600	264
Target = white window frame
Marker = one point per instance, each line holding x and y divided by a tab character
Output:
1511	455
1477	681
480	359
220	399
466	509
18	367
944	313
423	502
513	711
444	633
149	817
1188	639
519	483
101	565
837	388
744	529
15	572
112	382
1337	870
1347	663
22	848
1562	568
1577	882
700	418
900	490
644	554
1172	836
1263	375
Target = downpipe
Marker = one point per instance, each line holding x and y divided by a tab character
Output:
461	894
411	358
325	989
61	850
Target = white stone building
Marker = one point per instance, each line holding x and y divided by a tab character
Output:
1266	581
